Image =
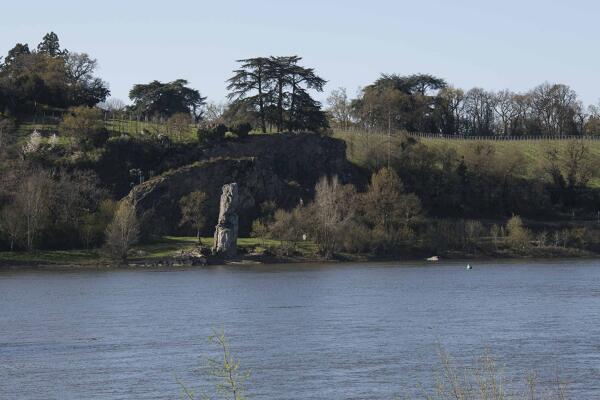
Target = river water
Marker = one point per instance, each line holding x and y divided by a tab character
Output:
348	331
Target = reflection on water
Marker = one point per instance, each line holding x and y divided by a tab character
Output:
306	332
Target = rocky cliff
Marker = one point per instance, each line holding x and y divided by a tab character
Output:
279	168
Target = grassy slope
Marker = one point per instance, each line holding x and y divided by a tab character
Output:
532	150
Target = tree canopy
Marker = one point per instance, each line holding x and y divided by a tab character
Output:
276	90
166	99
48	77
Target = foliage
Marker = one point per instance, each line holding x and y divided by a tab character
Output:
85	125
276	90
122	232
242	129
193	211
518	237
48	77
485	379
424	103
226	370
166	99
179	124
331	212
212	134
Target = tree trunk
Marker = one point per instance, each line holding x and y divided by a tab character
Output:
261	104
280	105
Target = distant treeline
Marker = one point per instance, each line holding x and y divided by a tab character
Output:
425	103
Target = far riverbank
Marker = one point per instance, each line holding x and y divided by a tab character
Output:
178	252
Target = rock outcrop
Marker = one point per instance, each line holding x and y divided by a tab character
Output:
226	231
283	168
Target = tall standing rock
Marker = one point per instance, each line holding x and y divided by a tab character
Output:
226	231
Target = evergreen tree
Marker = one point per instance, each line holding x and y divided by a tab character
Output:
250	83
166	99
50	45
278	89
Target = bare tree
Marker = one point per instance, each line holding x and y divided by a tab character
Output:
479	109
506	110
193	211
12	225
554	108
179	124
339	107
213	113
453	101
123	231
332	211
31	203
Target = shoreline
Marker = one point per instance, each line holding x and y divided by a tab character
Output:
253	261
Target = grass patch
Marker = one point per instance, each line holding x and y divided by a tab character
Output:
361	146
165	247
60	257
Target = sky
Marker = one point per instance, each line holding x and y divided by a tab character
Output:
490	44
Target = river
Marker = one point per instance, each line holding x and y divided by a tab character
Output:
347	331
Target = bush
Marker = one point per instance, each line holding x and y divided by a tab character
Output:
122	232
242	130
85	125
518	237
212	134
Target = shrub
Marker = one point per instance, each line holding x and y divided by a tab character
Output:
212	134
242	130
85	125
518	237
122	232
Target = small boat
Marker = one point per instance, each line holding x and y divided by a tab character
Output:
434	258
469	266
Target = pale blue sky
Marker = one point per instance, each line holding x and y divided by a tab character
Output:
495	45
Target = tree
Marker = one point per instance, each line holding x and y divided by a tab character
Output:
15	53
570	169
554	108
193	211
332	211
12	224
85	125
506	110
479	109
339	107
450	100
179	124
49	76
166	99
31	203
123	231
518	237
214	112
386	205
50	45
250	84
401	102
299	80
85	89
279	71
592	125
276	89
